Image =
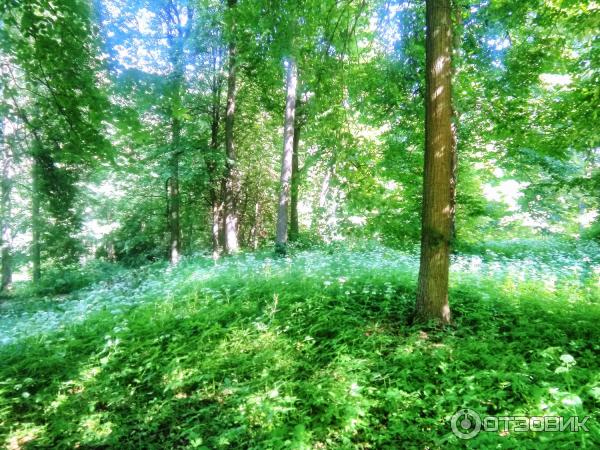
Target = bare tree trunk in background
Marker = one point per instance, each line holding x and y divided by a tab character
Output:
325	186
6	213
286	160
188	237
174	195
294	225
215	212
231	181
243	214
437	218
177	31
215	206
36	222
110	250
253	238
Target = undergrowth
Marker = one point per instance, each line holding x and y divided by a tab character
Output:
311	352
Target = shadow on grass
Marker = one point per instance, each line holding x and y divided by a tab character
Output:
287	362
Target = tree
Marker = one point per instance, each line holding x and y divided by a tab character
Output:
287	156
6	232
295	181
231	178
178	22
438	184
216	84
36	220
53	66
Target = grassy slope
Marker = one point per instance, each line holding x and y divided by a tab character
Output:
313	353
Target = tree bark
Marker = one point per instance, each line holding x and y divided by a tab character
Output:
215	205
253	239
438	189
215	178
294	225
231	180
36	222
176	35
174	195
286	160
457	28
5	214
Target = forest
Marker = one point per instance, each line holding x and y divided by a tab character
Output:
299	224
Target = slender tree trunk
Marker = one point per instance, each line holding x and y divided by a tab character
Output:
6	267
222	216
231	183
174	195
215	221
214	197
176	34
188	237
286	159
325	186
243	214
437	218
215	207
5	215
36	221
294	226
110	250
255	227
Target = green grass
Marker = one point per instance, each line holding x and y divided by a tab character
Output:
311	352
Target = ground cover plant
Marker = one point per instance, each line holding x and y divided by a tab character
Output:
312	351
299	224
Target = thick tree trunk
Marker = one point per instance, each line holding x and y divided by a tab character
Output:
174	195
294	225
231	183
286	159
36	221
438	210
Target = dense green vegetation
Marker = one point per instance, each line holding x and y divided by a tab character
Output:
313	351
309	224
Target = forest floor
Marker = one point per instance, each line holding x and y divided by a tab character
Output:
311	351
